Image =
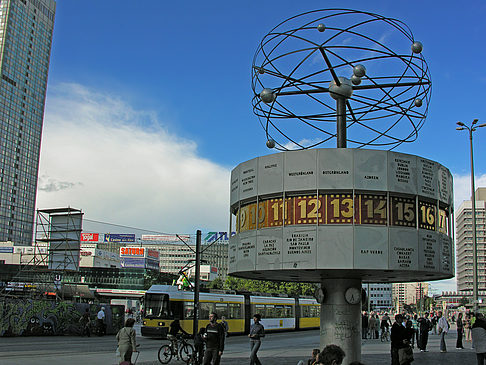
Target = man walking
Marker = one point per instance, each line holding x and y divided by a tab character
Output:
257	331
443	329
214	341
101	322
424	327
364	325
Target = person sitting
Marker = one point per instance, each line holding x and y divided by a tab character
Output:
331	355
313	359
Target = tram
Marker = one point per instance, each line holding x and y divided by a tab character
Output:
164	303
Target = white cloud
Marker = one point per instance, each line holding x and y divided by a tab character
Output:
462	187
120	165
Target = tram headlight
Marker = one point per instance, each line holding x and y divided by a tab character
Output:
144	323
161	324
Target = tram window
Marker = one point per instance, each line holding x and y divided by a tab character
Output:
289	311
221	309
304	311
206	309
188	311
315	311
176	310
270	311
260	308
234	311
279	311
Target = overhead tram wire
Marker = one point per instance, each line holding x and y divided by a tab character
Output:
137	229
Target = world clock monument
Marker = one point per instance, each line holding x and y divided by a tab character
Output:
355	211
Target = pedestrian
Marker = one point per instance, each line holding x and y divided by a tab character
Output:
199	345
398	339
415	327
434	323
409	332
85	321
385	323
424	327
214	341
373	326
331	355
101	322
364	325
479	338
443	329
126	341
460	331
257	331
225	326
467	327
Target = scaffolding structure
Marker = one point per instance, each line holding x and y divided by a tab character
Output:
56	250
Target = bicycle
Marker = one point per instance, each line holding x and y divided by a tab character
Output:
183	352
385	334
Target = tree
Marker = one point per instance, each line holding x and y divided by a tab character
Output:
216	283
269	287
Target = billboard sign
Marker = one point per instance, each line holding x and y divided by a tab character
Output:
165	237
119	237
154	254
132	251
90	237
222	237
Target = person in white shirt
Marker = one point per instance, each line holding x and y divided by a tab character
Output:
443	329
101	322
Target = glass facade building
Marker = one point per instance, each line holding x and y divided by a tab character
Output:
26	28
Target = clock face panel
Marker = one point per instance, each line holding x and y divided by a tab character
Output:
353	295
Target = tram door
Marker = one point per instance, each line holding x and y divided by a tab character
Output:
247	313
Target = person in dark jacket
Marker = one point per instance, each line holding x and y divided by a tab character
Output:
398	338
460	331
257	331
199	345
214	341
424	327
174	329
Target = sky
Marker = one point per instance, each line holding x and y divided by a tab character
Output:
149	109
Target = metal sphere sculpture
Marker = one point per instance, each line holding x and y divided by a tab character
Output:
360	70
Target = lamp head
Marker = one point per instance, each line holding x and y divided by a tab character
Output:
460	128
475	121
460	123
481	125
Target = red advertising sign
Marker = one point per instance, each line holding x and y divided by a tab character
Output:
89	237
152	253
132	251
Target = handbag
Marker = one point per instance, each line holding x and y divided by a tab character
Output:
405	355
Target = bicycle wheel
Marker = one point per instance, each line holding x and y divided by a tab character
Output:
186	352
165	354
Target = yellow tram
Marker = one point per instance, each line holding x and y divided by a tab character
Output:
164	303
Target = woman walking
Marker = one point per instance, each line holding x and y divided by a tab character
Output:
126	341
460	331
257	331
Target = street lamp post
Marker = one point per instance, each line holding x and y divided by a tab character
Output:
473	127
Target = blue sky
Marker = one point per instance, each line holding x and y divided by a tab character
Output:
150	104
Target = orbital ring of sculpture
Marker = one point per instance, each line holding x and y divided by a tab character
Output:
363	69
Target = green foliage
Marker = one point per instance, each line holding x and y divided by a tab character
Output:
217	283
270	287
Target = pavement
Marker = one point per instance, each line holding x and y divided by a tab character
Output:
374	352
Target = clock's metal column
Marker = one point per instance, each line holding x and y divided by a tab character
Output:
341	316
